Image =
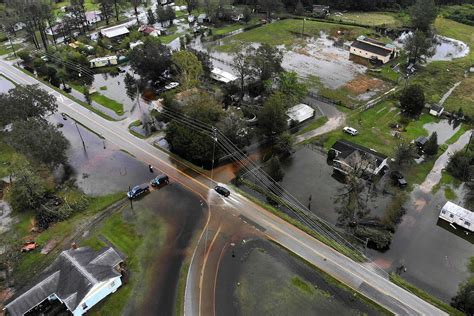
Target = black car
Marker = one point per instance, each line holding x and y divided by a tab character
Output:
159	180
222	191
137	191
398	179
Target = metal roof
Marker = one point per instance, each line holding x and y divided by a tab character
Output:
70	278
371	48
114	31
300	112
454	213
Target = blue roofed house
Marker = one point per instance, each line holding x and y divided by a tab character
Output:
76	281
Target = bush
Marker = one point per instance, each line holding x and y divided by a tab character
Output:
461	164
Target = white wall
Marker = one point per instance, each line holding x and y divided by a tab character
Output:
98	293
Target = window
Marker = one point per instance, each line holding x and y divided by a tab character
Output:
443	212
112	284
467	223
451	215
84	306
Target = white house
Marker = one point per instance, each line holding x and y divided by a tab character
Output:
103	61
135	44
455	214
222	76
77	280
436	110
373	50
115	31
300	113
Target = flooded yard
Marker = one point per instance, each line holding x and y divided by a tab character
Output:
260	278
5	85
444	129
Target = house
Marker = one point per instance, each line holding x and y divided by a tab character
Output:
350	156
148	30
115	32
300	113
222	76
77	280
321	11
455	214
103	61
201	18
93	17
135	44
436	110
373	50
420	141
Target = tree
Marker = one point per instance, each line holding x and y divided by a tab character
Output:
242	64
233	126
87	95
27	191
170	14
461	164
39	140
272	119
191	5
247	14
464	299
189	68
106	9
210	8
284	145
266	61
25	102
130	86
404	154
289	85
151	59
270	6
187	141
299	10
274	169
150	17
419	47
161	15
422	14
431	146
135	4
204	58
412	100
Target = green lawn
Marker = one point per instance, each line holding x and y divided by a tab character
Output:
286	33
232	27
372	18
107	102
6	48
7	155
314	124
438	77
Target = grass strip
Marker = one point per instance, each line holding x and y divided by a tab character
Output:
398	280
84	104
331	243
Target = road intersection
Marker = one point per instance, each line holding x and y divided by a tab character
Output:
363	278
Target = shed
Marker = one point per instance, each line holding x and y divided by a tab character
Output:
300	113
455	214
372	49
436	110
115	31
421	141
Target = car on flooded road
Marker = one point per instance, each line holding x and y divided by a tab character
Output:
222	191
138	190
162	179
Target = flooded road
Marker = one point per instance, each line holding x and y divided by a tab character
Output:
5	85
257	277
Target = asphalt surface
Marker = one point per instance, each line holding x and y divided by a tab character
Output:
362	277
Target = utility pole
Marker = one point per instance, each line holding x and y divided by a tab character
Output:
302	33
80	135
214	137
13	48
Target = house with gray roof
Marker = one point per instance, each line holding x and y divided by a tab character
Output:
372	49
77	280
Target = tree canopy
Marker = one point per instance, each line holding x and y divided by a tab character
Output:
151	59
422	14
272	119
189	67
412	100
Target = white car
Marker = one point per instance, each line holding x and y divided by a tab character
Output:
350	130
171	85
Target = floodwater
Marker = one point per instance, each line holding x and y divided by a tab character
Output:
182	212
435	255
446	48
319	57
257	277
5	85
444	128
101	168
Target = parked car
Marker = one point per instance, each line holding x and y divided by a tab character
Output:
222	191
29	246
159	180
137	191
398	179
350	130
171	85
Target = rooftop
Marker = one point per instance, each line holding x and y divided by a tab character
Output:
347	148
71	276
114	31
375	49
300	112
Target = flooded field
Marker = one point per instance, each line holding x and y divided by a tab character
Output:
99	168
260	278
444	129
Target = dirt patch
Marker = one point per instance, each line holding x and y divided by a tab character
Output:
362	84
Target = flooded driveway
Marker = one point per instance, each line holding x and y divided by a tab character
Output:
257	277
5	85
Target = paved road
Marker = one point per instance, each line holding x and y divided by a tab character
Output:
360	277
